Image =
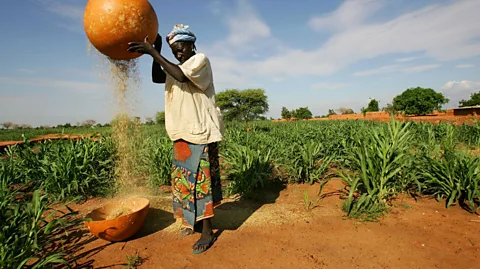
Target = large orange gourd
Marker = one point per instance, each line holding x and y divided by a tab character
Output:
111	24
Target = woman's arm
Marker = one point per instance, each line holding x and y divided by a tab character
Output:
169	67
158	75
159	60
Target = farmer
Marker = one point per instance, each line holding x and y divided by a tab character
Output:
194	123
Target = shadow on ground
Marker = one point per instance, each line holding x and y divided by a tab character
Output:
157	220
232	215
75	246
228	216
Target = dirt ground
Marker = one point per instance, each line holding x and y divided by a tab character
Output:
279	232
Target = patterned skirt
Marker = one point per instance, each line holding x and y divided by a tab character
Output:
195	181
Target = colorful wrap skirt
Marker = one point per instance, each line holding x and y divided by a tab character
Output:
196	183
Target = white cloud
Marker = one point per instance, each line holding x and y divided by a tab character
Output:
278	79
459	90
465	66
77	87
70	10
215	6
17	100
419	68
25	70
329	85
349	15
396	68
440	32
50	101
245	26
226	73
375	71
406	59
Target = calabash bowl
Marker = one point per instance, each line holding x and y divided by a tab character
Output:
105	225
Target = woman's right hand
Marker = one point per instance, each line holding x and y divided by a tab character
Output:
158	43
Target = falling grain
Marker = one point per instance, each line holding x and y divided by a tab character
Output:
123	78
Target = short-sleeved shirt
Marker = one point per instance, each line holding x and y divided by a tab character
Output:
191	113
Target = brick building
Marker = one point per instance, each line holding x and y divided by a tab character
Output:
467	111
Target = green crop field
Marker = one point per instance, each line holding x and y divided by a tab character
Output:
31	133
377	161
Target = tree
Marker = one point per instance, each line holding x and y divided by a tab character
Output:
363	110
137	120
302	113
123	121
149	121
88	123
160	117
8	124
286	114
419	101
345	111
24	126
373	106
388	108
473	101
242	105
331	112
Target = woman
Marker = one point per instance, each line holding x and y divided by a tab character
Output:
194	123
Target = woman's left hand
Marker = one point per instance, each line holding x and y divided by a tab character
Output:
141	47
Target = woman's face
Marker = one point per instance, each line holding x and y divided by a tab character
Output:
182	51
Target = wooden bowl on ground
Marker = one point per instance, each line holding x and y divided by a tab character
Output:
118	221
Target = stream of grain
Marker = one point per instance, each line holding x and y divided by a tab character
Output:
123	78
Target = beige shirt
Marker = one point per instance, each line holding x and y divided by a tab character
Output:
190	110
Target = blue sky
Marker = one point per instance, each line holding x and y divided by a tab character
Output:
320	54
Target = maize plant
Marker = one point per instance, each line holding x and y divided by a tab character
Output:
24	163
250	169
158	161
448	139
379	155
77	168
470	134
30	227
309	164
453	176
64	169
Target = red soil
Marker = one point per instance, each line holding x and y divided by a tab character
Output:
5	144
278	232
